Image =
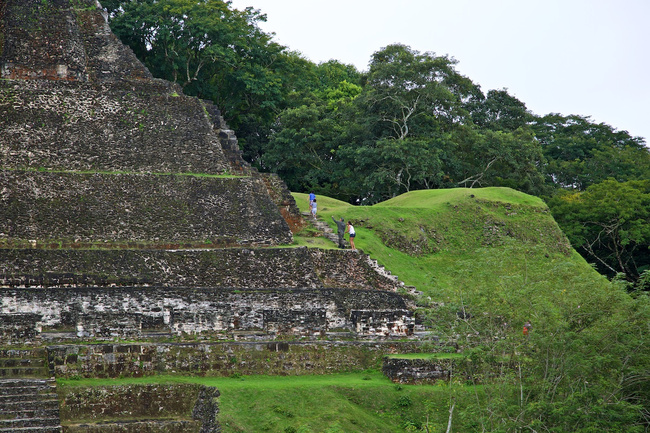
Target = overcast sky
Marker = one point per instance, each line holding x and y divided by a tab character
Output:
586	57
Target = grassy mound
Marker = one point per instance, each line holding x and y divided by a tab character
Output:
427	237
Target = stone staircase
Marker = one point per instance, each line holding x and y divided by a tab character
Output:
330	234
28	399
322	227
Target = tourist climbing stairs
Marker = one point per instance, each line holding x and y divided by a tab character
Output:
330	234
28	399
325	229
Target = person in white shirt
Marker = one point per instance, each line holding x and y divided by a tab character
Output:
353	233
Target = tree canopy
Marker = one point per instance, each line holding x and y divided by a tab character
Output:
610	223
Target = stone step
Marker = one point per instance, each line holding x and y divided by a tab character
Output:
33	405
29	405
25	395
57	429
146	426
325	229
23	353
16	382
22	362
29	422
18	372
39	412
13	390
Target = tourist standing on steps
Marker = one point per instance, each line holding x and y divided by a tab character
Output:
313	208
350	230
312	197
340	230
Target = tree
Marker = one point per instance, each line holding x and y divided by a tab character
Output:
412	94
609	223
409	100
303	148
178	39
499	111
395	166
580	153
496	158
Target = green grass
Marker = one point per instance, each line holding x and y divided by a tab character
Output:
312	238
435	197
236	383
427	238
358	402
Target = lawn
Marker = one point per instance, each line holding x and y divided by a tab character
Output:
357	402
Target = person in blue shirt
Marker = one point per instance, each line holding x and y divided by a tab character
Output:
312	197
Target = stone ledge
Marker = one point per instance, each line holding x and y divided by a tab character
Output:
97	207
236	268
285	358
104	313
417	371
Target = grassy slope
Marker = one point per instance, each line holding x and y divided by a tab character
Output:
499	256
457	232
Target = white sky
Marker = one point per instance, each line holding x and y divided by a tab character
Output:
586	57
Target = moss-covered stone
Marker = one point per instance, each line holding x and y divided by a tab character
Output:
226	359
65	209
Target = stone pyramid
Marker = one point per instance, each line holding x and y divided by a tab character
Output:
127	211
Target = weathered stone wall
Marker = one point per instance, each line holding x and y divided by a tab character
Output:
417	371
42	40
107	58
95	207
142	401
101	111
147	426
17	327
282	197
63	40
237	268
165	408
132	312
143	126
221	359
121	119
3	7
